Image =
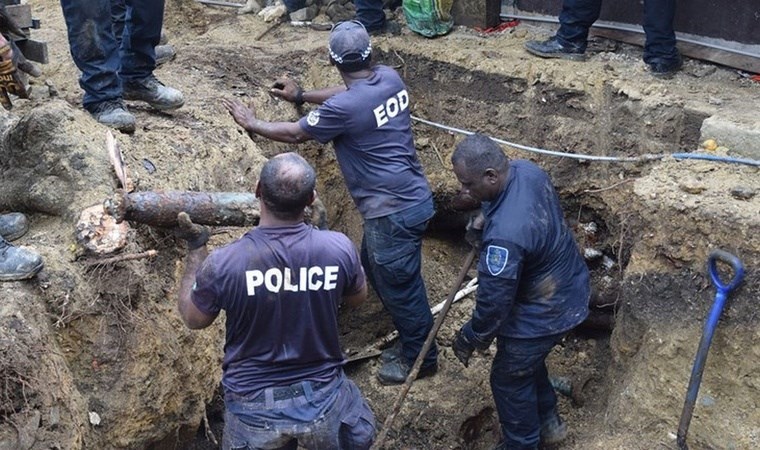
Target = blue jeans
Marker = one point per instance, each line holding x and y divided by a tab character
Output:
577	16
392	259
521	390
105	64
370	13
334	416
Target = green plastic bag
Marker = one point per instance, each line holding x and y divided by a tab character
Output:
429	18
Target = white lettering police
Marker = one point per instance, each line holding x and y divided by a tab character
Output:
309	279
391	108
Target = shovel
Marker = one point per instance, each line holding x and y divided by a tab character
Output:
723	290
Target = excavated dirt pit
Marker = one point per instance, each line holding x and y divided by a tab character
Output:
85	339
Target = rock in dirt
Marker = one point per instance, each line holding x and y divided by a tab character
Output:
743	193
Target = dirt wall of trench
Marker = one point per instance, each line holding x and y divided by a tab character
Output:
109	340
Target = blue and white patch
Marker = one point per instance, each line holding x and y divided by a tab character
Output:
496	259
313	118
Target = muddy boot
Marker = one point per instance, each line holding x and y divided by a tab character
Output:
391	353
553	431
397	370
154	93
13	225
552	48
17	263
114	114
164	53
665	69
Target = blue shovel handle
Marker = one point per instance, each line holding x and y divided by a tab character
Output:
704	344
735	264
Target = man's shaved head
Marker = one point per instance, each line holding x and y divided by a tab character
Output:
287	183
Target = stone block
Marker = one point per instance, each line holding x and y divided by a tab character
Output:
741	134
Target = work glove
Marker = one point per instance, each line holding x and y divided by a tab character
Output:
474	231
10	81
462	347
195	235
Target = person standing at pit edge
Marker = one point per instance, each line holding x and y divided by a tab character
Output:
577	16
281	285
533	287
114	70
369	123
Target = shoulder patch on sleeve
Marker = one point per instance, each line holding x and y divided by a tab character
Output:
313	118
496	259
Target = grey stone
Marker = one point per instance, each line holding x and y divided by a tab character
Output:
305	14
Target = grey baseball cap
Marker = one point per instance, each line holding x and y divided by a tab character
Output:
349	43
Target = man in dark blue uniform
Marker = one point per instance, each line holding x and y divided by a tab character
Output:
369	123
577	16
533	287
281	285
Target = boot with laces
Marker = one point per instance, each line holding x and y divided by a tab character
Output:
114	114
154	93
13	225
17	263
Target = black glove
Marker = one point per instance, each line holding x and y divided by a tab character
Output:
474	231
195	235
462	348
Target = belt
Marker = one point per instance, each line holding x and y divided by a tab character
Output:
288	392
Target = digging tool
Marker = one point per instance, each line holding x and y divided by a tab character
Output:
428	343
722	292
374	349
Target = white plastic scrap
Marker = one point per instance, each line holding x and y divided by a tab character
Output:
94	418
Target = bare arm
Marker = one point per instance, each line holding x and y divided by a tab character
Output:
289	132
287	89
194	318
356	299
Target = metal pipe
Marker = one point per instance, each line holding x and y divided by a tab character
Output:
218	3
609	26
205	208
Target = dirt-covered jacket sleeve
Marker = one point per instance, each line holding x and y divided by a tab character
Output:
499	270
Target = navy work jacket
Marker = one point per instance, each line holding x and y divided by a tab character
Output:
532	280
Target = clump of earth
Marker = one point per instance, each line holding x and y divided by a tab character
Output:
94	355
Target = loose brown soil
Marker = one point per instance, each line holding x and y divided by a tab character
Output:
106	339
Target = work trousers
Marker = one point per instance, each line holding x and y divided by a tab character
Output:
333	416
105	64
370	13
521	389
392	258
577	16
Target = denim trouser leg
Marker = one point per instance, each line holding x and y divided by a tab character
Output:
392	258
370	13
576	18
93	48
118	19
335	417
141	35
660	43
521	389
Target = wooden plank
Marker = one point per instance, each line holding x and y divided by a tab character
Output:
34	50
734	20
21	14
476	13
746	63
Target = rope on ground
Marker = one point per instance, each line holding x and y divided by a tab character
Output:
635	159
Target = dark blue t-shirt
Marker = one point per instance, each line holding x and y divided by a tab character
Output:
280	288
370	126
532	280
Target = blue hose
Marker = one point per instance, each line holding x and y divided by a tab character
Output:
728	159
723	290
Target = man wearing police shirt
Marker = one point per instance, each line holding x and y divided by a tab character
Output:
280	286
368	121
533	287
